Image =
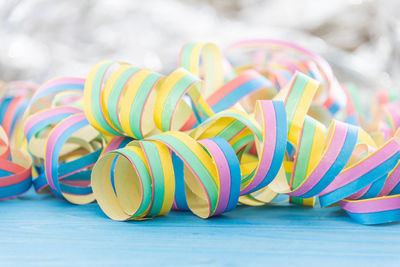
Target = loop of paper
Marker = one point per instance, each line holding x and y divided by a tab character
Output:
62	144
290	144
209	135
15	163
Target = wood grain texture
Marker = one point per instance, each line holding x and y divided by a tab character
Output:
39	230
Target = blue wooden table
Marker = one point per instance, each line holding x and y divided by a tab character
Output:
39	230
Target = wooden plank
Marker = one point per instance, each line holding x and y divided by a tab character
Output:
43	231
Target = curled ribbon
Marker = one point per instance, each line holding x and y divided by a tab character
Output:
203	146
209	136
15	163
63	145
15	169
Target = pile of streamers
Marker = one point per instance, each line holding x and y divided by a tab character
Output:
210	135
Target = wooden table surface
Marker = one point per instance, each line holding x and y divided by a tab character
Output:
39	230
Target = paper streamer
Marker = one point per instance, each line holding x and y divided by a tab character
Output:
63	145
212	134
15	163
15	169
202	144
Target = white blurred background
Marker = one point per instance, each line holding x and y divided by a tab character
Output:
43	38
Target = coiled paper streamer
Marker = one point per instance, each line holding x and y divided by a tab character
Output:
63	145
15	169
198	137
209	135
15	163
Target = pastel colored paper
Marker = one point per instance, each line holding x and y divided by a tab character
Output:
206	137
